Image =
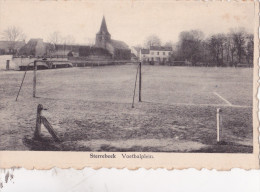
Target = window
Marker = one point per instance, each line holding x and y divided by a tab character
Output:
158	53
163	53
169	53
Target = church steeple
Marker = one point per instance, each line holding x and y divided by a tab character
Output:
103	27
103	36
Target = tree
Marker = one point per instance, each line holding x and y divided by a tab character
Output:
190	46
69	40
239	39
217	44
250	49
169	44
13	34
152	40
90	41
55	38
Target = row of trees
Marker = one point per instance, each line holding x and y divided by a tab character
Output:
231	49
14	34
236	47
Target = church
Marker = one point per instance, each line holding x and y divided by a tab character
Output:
118	49
105	48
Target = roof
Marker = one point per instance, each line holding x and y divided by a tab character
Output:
145	51
119	44
103	27
8	44
68	47
29	48
160	48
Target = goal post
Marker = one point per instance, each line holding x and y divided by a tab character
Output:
34	77
138	77
140	82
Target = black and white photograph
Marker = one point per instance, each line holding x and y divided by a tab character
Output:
134	76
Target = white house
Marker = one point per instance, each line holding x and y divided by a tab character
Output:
156	54
144	55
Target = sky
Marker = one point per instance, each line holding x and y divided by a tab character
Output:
131	21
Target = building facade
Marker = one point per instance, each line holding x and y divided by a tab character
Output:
105	48
156	54
10	47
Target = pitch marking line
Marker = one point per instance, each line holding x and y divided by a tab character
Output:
230	104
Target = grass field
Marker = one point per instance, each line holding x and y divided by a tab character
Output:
90	108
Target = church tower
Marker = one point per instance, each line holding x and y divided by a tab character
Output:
103	36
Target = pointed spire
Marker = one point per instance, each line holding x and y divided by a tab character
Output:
103	27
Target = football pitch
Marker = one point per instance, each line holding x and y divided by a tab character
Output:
91	109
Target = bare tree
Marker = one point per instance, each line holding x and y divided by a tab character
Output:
13	34
152	40
230	50
69	40
239	39
55	38
90	41
250	49
169	44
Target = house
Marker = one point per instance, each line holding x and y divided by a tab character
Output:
34	47
64	50
156	54
38	48
144	55
118	49
105	48
10	47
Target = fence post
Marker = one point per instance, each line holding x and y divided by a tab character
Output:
34	78
219	125
135	86
7	64
38	121
50	129
140	81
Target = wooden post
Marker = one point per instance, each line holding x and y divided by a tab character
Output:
38	122
21	86
140	82
219	125
50	129
7	64
135	87
34	78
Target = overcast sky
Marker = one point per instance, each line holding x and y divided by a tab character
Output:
129	21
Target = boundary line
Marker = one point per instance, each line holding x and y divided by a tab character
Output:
200	104
147	101
227	102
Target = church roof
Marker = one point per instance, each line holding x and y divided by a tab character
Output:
119	44
103	27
